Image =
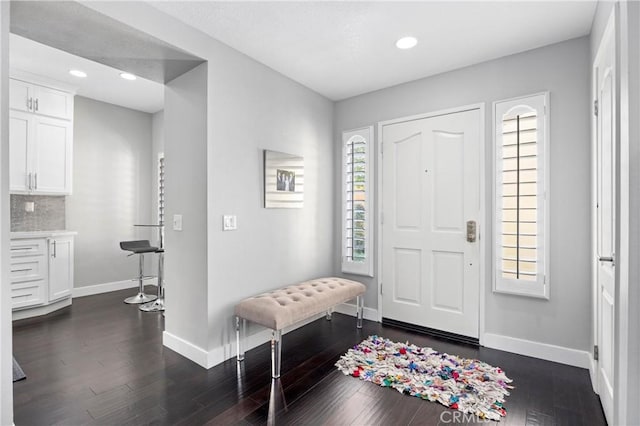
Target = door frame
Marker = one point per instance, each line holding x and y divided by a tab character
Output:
482	216
609	31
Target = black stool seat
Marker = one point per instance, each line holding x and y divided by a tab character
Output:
138	246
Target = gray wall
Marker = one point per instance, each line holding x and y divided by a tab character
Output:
186	194
562	69
254	108
111	186
249	107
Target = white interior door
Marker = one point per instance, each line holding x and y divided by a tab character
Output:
431	190
604	73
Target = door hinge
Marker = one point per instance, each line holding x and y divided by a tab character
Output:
595	353
595	107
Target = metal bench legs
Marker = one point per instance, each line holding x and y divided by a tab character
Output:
276	338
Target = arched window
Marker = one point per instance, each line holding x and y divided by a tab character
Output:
521	209
357	212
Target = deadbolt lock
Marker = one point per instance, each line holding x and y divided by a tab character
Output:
471	231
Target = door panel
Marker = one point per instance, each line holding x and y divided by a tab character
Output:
60	268
431	175
448	181
20	129
19	95
448	281
52	156
408	183
53	103
406	283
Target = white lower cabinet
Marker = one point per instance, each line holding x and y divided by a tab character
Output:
60	267
41	270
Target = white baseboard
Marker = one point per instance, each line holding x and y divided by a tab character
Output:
90	290
350	309
227	351
544	351
186	349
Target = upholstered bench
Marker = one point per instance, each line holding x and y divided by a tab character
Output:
289	305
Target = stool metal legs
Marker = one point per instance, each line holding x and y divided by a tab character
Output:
141	297
158	304
359	311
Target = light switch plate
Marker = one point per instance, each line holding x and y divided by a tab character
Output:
229	223
177	222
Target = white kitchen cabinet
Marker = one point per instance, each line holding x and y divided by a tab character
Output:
29	272
60	267
41	100
41	270
40	150
20	133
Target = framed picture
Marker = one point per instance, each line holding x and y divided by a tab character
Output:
283	180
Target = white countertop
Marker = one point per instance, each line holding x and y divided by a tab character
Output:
40	234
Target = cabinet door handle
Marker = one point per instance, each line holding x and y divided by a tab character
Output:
21	270
36	104
29	104
35	181
55	249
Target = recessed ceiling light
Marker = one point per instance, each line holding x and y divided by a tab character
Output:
78	73
127	76
406	42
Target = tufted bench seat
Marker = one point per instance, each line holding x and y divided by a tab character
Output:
288	305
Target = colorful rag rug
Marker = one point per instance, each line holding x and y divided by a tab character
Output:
467	385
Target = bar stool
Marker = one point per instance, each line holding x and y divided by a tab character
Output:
139	247
158	304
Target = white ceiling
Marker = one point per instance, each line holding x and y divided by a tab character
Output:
342	49
102	82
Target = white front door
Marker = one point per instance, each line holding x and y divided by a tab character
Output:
430	193
604	74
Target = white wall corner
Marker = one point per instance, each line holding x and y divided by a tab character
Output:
186	349
560	354
350	309
90	290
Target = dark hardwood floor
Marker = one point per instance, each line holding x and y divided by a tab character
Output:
102	362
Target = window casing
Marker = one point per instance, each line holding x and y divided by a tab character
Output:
357	201
521	207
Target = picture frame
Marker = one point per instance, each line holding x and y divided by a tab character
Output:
283	180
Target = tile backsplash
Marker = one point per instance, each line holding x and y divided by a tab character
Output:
48	213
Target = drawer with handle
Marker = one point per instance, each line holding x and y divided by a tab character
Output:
28	294
28	268
34	247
